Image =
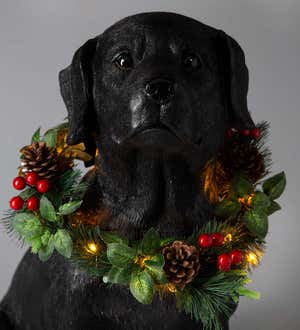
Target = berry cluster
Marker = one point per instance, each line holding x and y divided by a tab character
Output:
33	180
251	133
225	260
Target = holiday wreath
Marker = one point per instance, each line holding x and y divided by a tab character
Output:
206	272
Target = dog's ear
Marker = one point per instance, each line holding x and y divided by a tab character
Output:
76	84
235	80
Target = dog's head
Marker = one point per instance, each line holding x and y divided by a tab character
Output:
160	73
159	82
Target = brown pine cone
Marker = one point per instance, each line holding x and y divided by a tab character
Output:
43	160
239	156
181	263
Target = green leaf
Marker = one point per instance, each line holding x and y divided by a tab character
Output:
166	241
150	243
142	287
120	254
118	275
50	138
249	293
274	207
47	209
257	223
63	243
108	238
25	194
260	201
69	208
155	268
275	185
227	208
36	244
242	186
27	225
46	251
36	136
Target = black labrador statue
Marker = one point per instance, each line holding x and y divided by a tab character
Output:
155	94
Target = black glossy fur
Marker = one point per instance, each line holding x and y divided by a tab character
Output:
152	141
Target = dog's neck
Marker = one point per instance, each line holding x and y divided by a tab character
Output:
142	189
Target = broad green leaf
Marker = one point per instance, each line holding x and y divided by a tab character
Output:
50	138
142	287
47	209
155	268
36	136
227	208
69	208
249	293
46	251
63	243
275	185
108	238
150	243
27	225
260	201
157	260
166	241
257	223
36	244
274	207
46	237
119	275
120	254
242	186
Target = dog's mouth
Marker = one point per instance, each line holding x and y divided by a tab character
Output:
158	130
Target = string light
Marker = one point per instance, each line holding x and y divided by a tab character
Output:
252	259
92	248
140	260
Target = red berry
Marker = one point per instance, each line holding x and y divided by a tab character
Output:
205	241
16	203
246	132
224	262
217	239
43	186
255	133
31	178
19	183
33	203
236	257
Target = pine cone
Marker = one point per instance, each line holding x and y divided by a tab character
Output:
43	160
239	156
181	263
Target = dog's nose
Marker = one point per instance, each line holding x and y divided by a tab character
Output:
160	90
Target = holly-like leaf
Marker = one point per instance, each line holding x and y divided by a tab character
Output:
69	207
242	186
118	275
120	254
150	243
36	136
47	209
260	201
63	243
227	208
142	287
274	207
46	251
274	186
36	244
108	238
257	223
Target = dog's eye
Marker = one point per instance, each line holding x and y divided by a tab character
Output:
191	61
123	61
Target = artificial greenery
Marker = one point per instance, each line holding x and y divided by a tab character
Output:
241	216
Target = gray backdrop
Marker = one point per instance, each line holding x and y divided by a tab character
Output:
38	38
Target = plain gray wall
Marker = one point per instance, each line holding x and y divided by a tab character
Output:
38	38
